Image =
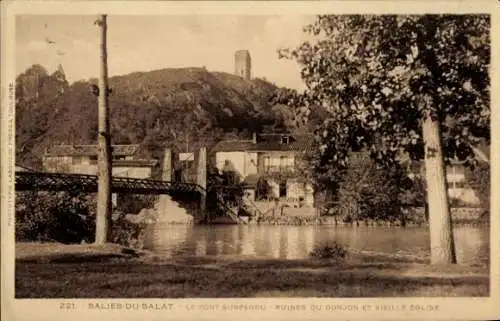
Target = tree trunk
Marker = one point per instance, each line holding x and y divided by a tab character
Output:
201	180
441	234
104	205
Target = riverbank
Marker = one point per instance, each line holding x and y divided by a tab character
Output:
111	271
34	252
333	221
414	217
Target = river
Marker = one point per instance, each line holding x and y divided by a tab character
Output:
296	242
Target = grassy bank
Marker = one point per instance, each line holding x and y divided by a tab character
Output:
114	273
33	252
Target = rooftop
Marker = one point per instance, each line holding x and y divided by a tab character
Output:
135	163
89	150
268	142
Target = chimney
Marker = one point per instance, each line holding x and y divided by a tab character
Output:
254	138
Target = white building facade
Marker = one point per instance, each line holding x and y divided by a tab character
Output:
267	165
82	159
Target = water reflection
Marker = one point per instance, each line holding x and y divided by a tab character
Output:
168	239
246	243
292	242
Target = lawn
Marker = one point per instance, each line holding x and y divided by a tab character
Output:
87	271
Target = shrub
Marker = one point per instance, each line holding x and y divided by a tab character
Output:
127	233
334	251
66	218
223	190
59	217
133	204
479	179
369	192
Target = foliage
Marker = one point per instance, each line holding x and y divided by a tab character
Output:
334	251
362	188
59	217
480	180
223	190
263	190
379	84
66	218
128	233
415	194
323	172
294	115
368	191
133	204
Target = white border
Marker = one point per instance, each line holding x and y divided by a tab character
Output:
450	308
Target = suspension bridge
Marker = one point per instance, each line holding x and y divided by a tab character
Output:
56	182
82	183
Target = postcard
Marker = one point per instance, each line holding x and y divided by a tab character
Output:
250	160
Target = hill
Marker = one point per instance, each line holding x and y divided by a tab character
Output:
156	109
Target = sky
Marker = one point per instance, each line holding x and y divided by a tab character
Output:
142	43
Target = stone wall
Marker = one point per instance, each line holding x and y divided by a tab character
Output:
281	208
308	215
457	213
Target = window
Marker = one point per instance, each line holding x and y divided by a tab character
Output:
76	160
93	160
284	140
282	189
267	163
283	161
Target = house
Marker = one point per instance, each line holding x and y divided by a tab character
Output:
267	167
82	159
459	186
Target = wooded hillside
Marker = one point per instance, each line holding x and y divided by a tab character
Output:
156	109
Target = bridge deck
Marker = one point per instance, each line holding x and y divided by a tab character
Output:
81	183
42	181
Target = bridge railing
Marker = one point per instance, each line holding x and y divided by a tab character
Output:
88	183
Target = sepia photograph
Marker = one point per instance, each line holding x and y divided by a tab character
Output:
259	156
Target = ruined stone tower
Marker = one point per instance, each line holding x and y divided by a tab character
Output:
243	64
59	74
